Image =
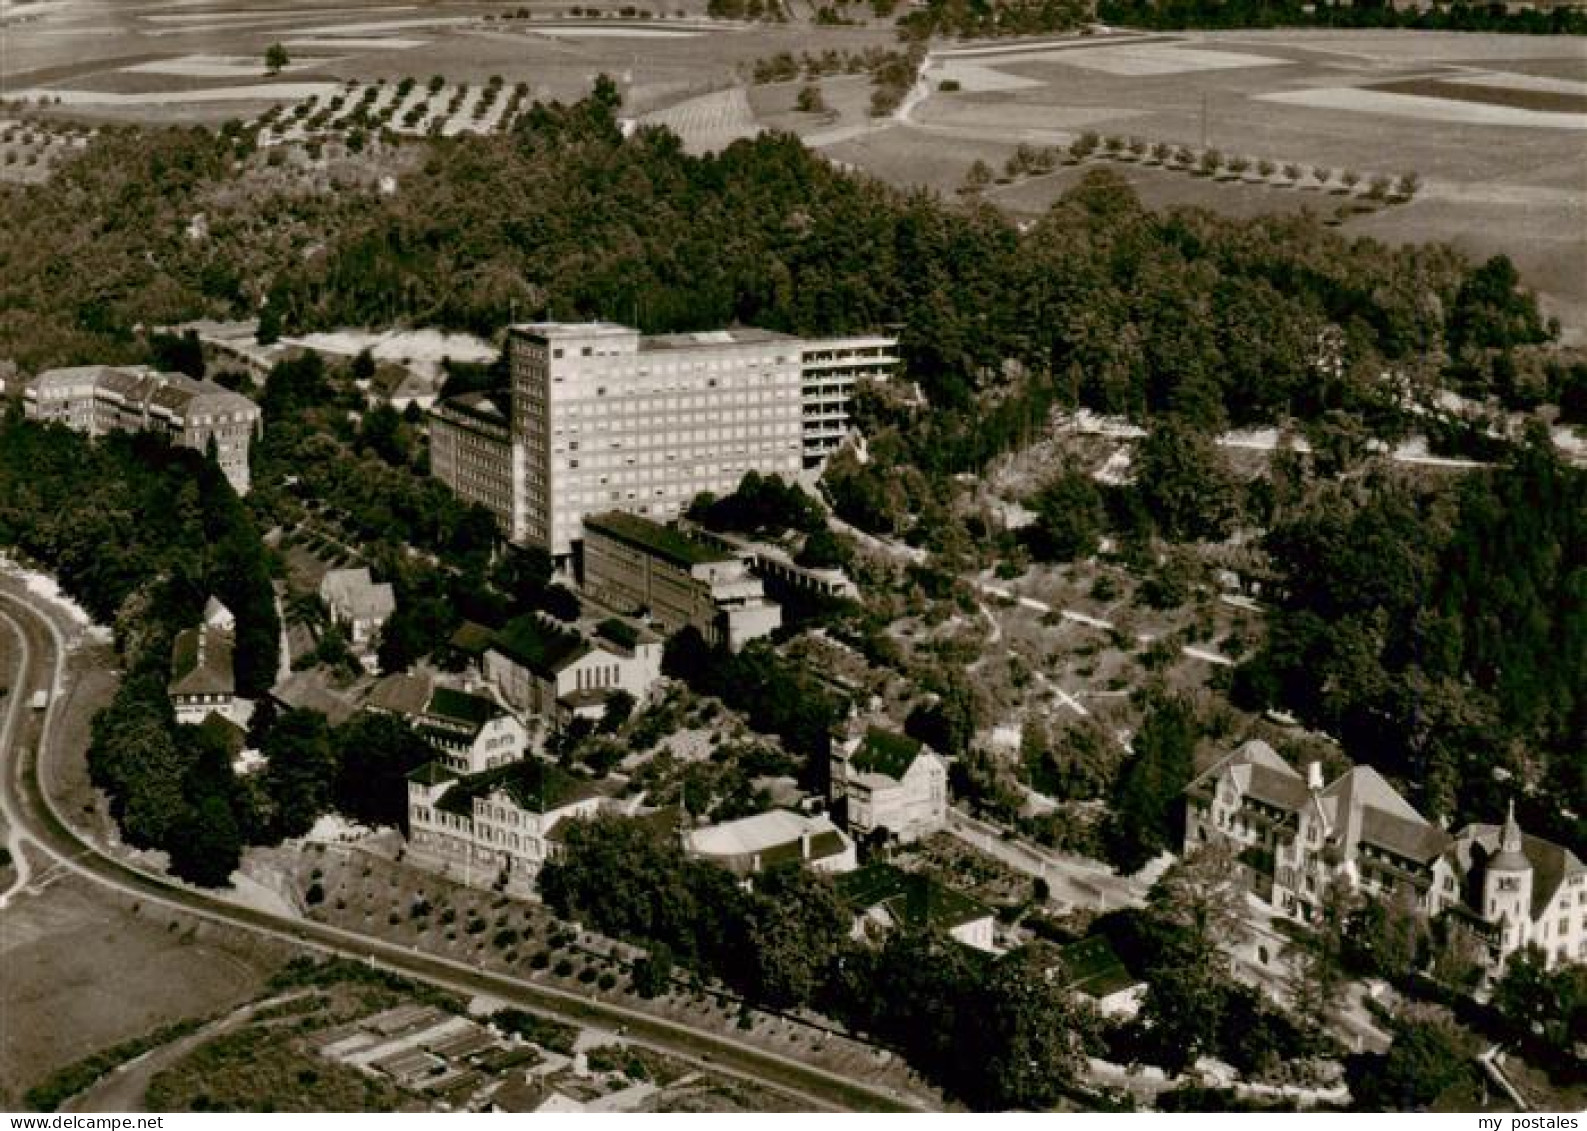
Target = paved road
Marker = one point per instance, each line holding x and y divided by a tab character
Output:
16	704
28	805
1071	879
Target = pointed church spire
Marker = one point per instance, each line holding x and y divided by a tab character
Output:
1510	840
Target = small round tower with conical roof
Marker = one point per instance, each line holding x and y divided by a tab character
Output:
1507	887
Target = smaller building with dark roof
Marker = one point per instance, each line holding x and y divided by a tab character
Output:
886	782
1092	967
202	675
559	673
469	732
883	897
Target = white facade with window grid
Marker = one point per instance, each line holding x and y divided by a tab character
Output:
604	418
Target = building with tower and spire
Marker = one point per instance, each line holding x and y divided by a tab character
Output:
1521	890
1295	835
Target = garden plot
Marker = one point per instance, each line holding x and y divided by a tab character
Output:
30	151
352	43
1509	80
617	33
220	18
709	122
1059	121
376	27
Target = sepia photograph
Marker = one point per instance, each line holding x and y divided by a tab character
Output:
769	557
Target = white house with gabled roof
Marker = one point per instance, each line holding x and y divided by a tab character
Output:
885	781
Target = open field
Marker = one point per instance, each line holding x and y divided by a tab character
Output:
84	969
1490	123
59	1000
96	48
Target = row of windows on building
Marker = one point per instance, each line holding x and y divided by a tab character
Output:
675	440
667	469
749	441
630	417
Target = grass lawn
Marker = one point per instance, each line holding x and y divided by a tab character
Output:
114	982
255	1069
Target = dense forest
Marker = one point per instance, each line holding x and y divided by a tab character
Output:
1129	311
979	19
141	534
1442	634
1457	16
784	943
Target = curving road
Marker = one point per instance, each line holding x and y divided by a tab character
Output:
33	816
16	703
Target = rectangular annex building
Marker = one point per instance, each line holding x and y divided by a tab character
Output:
631	564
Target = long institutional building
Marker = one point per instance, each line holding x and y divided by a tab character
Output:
96	399
1295	835
604	418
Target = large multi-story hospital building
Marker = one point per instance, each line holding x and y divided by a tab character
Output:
604	418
